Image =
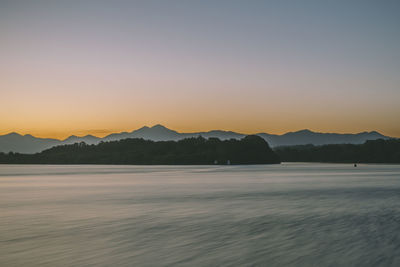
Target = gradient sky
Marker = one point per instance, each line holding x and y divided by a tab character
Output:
96	67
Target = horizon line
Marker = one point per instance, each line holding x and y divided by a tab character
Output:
158	124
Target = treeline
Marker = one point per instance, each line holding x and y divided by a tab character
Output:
193	151
372	151
249	150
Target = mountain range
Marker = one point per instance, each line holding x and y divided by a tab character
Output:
29	144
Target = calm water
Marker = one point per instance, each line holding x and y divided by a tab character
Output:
283	215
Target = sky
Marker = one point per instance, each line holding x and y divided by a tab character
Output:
97	67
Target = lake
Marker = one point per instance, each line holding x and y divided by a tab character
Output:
293	214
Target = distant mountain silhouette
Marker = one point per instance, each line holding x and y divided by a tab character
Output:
88	139
304	137
25	143
155	133
29	144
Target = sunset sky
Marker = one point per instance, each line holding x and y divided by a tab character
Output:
96	67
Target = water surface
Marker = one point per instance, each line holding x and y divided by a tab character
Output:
267	215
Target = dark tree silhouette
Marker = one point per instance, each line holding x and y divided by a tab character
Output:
249	150
372	151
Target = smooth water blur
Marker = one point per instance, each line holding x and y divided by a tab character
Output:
271	215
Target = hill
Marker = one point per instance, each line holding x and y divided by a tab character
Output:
248	150
372	151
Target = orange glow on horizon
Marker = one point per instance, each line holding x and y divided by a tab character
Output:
61	135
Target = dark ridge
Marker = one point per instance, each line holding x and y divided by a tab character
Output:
372	151
191	151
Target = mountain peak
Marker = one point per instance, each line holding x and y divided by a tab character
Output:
305	131
376	133
159	126
13	134
144	128
70	137
90	136
372	133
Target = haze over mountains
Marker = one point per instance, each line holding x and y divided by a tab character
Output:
29	144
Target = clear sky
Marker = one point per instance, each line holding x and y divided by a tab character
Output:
96	67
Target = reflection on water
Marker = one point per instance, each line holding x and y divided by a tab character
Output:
282	215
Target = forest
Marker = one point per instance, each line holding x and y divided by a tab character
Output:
372	151
251	149
191	151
